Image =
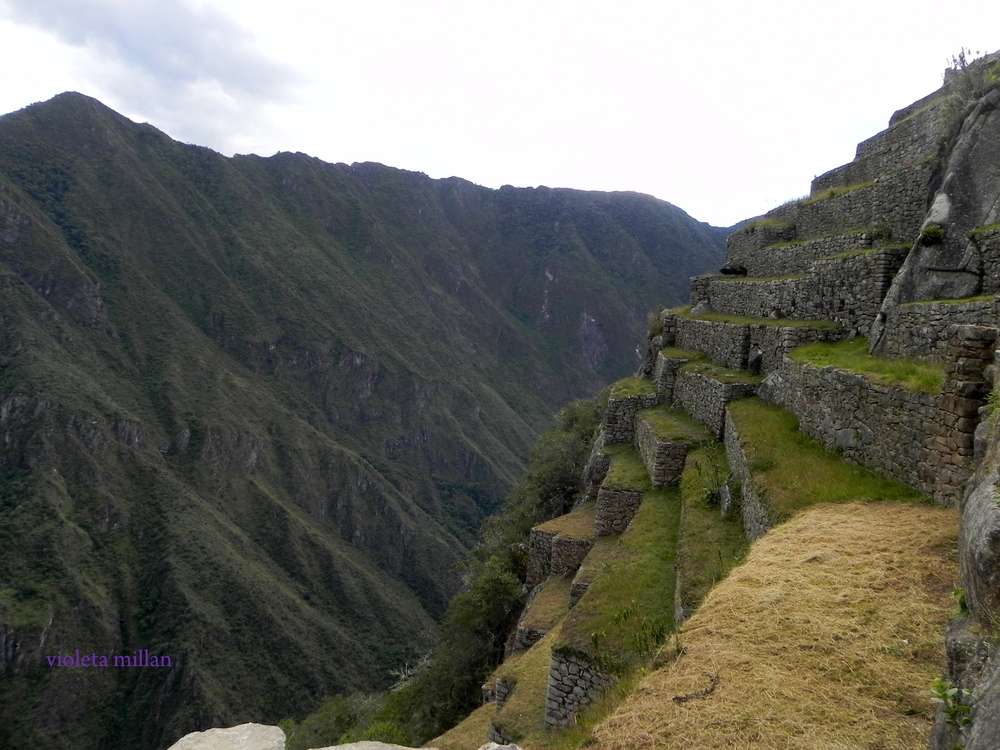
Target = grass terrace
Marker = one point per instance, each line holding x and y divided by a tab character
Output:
578	523
550	604
628	610
710	545
852	355
756	279
720	373
834	192
792	471
769	222
674	425
627	471
741	320
672	352
632	387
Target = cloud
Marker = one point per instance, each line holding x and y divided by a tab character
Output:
186	67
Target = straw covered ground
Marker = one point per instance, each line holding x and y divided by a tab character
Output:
826	637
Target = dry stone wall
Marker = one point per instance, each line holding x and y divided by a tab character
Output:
619	423
567	554
574	684
925	441
724	343
913	139
921	329
987	245
615	510
705	398
539	556
798	258
748	242
664	460
665	375
756	521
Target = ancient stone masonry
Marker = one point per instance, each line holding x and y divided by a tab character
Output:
539	556
567	554
664	459
595	470
756	521
665	374
987	243
920	329
619	423
797	257
914	135
705	398
922	440
848	290
574	684
725	343
615	510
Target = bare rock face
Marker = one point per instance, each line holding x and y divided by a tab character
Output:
242	737
945	263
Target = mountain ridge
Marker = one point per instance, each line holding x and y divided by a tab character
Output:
254	408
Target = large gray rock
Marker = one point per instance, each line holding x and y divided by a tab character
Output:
242	737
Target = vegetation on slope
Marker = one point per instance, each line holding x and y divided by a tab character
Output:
847	602
448	685
313	380
852	355
791	471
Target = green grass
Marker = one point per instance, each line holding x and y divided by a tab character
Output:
632	387
674	425
523	712
672	352
631	599
720	373
766	222
976	233
550	604
741	320
627	471
756	279
792	471
852	355
958	301
578	523
835	192
710	545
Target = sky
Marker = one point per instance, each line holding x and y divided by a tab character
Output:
725	109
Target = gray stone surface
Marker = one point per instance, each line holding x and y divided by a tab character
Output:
756	520
615	510
574	684
241	737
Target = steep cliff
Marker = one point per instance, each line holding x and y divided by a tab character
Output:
253	409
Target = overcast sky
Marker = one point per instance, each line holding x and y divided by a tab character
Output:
725	109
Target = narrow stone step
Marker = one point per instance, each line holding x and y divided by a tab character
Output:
557	547
742	343
668	360
621	492
663	437
847	289
703	389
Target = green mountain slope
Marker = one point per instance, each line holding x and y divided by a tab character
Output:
253	409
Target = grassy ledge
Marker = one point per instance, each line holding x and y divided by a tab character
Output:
757	279
852	355
674	426
672	352
632	387
791	471
710	545
628	609
578	523
716	317
834	192
720	373
956	301
627	471
549	605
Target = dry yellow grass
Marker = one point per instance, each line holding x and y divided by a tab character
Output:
578	523
827	637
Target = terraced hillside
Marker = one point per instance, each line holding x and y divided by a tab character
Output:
843	358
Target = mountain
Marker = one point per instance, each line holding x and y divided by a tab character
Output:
253	409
